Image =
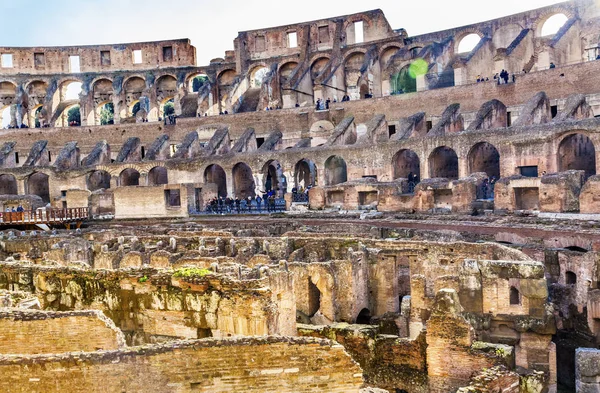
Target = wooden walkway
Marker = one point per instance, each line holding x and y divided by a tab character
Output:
45	216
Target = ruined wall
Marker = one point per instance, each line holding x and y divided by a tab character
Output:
215	366
38	332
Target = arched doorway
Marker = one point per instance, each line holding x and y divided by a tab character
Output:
157	176
484	157
364	317
305	174
129	177
243	181
214	174
336	171
37	184
406	162
577	152
98	180
443	162
403	81
274	180
8	185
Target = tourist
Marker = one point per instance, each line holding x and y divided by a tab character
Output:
237	204
327	104
552	65
259	203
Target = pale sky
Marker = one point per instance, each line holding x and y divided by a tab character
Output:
212	25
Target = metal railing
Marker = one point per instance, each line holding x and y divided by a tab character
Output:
45	216
300	197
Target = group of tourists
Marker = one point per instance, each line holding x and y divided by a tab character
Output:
228	205
501	78
486	189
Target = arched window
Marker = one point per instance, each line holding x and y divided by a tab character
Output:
157	176
468	43
243	181
364	317
129	177
443	162
335	171
8	185
570	278
484	157
553	24
215	174
406	162
577	152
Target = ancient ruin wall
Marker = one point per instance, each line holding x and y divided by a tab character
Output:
251	365
28	332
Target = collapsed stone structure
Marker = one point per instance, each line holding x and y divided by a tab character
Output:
452	291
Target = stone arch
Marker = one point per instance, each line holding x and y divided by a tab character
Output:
318	66
97	180
226	77
443	162
305	173
158	176
336	171
215	174
462	46
274	178
404	163
484	157
133	87
387	52
403	81
243	181
538	25
505	35
36	91
166	89
38	184
129	177
189	80
577	151
257	75
353	64
8	185
322	126
287	69
102	91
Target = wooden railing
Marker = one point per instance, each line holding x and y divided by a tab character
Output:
45	216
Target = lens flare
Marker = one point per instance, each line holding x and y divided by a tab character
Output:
417	68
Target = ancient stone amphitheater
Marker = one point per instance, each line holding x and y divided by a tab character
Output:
333	206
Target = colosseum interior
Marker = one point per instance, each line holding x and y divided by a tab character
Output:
176	228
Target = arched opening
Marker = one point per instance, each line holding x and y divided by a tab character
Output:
243	181
129	177
305	174
196	82
553	24
577	152
443	162
36	91
134	88
403	82
258	76
8	185
364	317
286	71
314	298
72	116
214	174
352	71
570	278
103	95
106	113
98	180
166	88
8	93
318	66
157	176
336	171
468	43
515	296
274	180
37	184
406	162
484	157
72	90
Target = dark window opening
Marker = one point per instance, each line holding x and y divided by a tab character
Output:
515	296
508	119
429	125
529	171
173	198
105	58
576	248
49	156
323	34
391	130
16	157
63	193
167	53
143	152
554	110
259	142
370	177
571	278
364	317
39	60
314	298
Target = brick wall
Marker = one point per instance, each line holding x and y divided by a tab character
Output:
38	332
273	364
